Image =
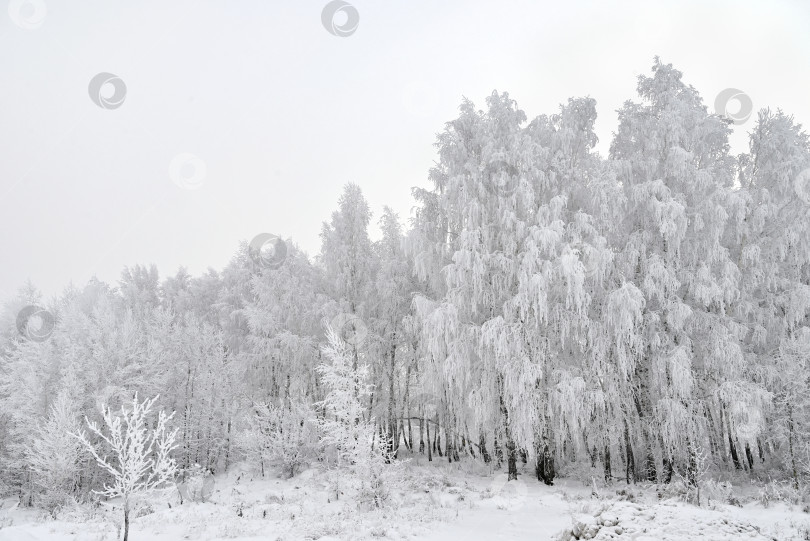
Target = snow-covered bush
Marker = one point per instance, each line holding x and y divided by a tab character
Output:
583	472
678	489
721	491
55	457
779	491
197	485
349	439
287	436
380	475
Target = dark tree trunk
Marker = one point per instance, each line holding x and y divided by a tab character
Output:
734	457
791	429
422	436
608	470
713	447
643	405
650	471
429	444
668	469
544	467
511	451
724	422
666	459
512	460
482	446
692	466
628	449
126	521
405	435
393	435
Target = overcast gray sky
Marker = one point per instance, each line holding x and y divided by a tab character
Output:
282	113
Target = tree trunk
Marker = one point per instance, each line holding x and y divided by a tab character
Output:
406	403
643	409
544	466
370	406
692	465
393	436
429	444
628	449
668	469
667	459
734	457
482	445
422	435
795	470
126	520
405	435
750	456
512	459
608	470
713	447
511	452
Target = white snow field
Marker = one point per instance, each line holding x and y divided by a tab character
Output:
438	502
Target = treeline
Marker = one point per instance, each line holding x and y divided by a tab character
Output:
629	313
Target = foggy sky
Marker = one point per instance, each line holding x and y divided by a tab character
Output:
282	113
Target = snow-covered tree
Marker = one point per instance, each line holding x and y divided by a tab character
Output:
672	159
351	446
284	435
348	259
284	318
509	260
773	233
141	459
55	456
547	304
392	288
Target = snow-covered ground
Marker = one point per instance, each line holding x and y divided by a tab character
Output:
438	502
